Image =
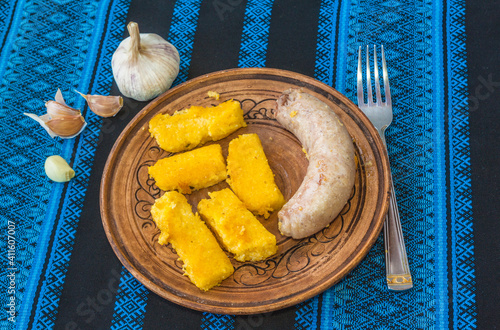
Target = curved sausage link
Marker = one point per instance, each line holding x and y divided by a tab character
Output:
330	174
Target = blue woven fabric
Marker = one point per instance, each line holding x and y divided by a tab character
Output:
61	54
361	300
462	249
68	44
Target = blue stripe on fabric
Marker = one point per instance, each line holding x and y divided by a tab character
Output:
362	299
343	34
130	305
441	269
254	39
181	35
325	47
40	257
71	209
462	244
10	51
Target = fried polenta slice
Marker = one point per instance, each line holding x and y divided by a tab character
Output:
192	127
190	170
204	261
238	230
251	177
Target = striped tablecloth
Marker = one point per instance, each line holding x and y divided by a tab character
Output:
58	269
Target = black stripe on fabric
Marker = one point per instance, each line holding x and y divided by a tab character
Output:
277	320
163	314
293	36
90	286
483	62
152	16
318	314
218	36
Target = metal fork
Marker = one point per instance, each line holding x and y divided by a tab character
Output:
380	114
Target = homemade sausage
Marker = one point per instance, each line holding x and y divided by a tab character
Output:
330	174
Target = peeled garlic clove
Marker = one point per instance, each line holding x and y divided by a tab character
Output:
144	64
104	106
58	170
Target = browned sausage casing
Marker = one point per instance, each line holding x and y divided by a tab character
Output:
330	175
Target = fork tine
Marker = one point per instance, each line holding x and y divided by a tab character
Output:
386	80
369	94
377	80
360	80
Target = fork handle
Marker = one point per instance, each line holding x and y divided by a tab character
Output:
396	261
397	268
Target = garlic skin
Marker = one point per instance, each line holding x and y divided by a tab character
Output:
60	119
103	106
58	170
144	65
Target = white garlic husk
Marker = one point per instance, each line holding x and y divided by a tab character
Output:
144	65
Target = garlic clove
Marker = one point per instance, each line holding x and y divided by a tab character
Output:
63	127
58	170
104	106
55	109
60	120
66	126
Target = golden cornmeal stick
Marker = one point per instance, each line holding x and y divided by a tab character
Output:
251	177
191	170
189	128
238	230
204	261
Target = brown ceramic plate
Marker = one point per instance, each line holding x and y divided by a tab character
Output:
302	268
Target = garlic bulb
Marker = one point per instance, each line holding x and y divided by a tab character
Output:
60	119
144	64
104	106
